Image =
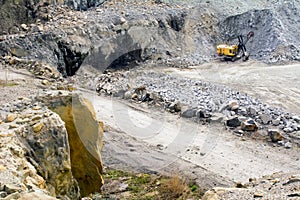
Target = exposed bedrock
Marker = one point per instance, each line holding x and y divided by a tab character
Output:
54	153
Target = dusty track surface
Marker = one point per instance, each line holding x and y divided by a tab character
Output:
140	139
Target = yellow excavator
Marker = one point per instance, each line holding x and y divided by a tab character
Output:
231	52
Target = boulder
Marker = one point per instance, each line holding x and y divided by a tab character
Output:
249	125
85	140
233	105
296	118
233	122
128	94
265	118
175	106
276	122
24	27
275	135
49	151
35	196
56	152
202	114
146	97
189	113
252	111
37	127
217	118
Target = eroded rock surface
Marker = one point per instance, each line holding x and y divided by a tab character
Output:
124	34
85	140
47	153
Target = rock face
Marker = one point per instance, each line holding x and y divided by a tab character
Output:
123	34
48	153
41	156
14	12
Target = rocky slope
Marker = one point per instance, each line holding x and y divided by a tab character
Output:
124	33
38	156
276	186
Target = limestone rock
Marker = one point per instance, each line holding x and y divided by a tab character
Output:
11	117
35	196
258	194
51	154
12	126
45	82
202	114
10	188
24	27
252	111
85	140
233	105
296	118
217	117
249	125
276	122
38	127
128	94
175	107
210	195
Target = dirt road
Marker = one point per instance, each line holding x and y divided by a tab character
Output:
146	140
143	139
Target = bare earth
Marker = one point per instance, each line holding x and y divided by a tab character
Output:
140	139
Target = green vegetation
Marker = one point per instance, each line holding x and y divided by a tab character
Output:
7	83
150	187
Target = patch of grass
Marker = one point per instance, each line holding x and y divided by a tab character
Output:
153	187
139	182
115	174
7	84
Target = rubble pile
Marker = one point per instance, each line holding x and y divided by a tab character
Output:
203	102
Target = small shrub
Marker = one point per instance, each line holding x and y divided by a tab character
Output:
172	188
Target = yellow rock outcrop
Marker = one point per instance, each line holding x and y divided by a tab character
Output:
85	139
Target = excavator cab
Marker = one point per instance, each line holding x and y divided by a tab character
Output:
234	52
227	50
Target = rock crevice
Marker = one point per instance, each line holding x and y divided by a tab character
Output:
85	140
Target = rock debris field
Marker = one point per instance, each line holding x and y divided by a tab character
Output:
204	102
